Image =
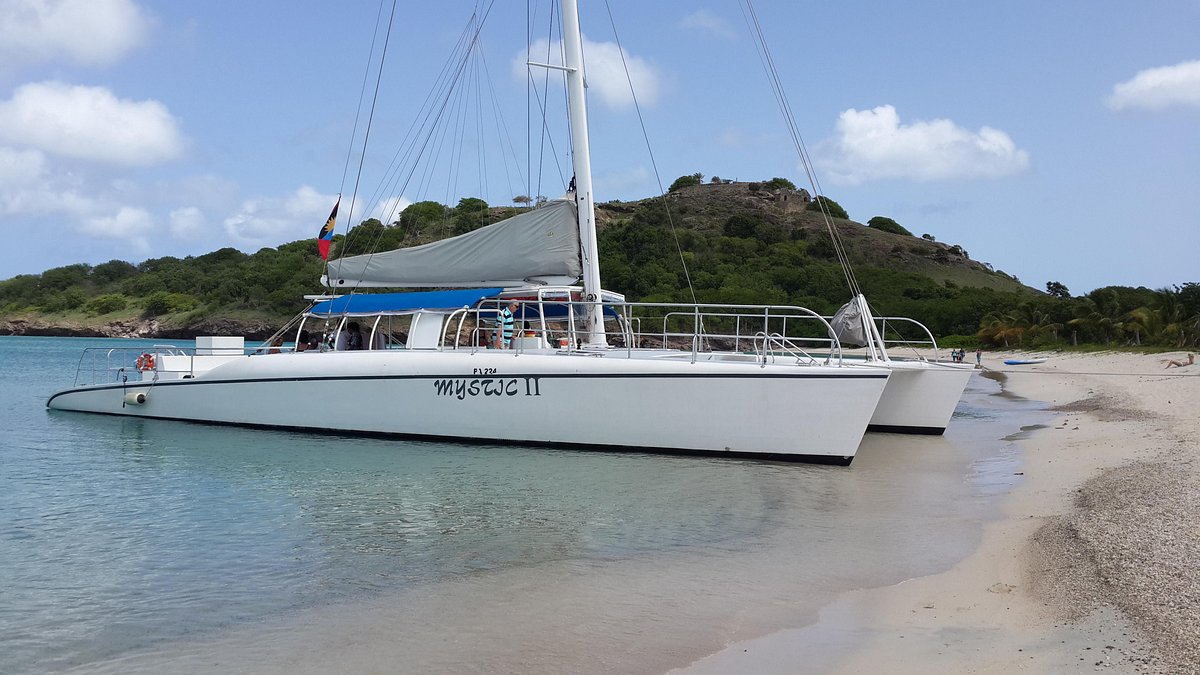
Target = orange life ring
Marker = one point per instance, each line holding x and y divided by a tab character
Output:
145	362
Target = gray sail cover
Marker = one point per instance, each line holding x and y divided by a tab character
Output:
847	325
539	246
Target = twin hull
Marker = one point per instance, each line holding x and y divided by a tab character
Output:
777	411
920	396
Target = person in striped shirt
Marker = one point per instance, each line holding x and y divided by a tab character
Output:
504	325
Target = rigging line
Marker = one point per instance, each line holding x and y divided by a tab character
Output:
772	73
426	117
547	137
481	156
528	111
395	168
361	94
441	110
835	234
654	164
502	132
566	102
541	102
392	174
357	116
370	120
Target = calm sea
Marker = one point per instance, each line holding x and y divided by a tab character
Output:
133	545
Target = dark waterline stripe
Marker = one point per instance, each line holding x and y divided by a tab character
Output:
346	378
835	460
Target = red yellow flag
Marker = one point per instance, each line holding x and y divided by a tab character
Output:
325	237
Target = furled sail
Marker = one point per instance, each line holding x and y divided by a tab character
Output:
847	325
539	246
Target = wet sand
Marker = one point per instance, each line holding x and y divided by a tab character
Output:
1094	564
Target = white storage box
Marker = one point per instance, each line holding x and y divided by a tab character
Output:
220	345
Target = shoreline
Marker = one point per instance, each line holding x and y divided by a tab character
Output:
1093	563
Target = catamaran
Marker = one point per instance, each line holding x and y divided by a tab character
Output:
921	394
583	368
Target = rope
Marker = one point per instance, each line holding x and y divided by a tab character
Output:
785	108
654	164
1073	372
433	114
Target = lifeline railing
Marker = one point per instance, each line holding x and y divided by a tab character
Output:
108	365
765	332
882	323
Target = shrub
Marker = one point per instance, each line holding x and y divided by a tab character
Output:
105	304
778	183
887	225
686	181
740	225
162	302
64	301
834	209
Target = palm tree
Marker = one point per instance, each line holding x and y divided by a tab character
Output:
1102	317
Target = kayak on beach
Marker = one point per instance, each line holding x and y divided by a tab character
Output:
1023	362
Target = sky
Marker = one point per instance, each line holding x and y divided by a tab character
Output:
1057	141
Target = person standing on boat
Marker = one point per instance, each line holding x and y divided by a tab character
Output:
504	325
351	338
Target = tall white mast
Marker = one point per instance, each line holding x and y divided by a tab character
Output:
582	164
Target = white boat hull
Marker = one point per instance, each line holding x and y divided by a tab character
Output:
812	413
920	396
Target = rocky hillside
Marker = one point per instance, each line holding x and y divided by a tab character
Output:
706	208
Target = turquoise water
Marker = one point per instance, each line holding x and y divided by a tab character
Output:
131	544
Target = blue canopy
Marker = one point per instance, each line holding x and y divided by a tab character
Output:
367	304
400	303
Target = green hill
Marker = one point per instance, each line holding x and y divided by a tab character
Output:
743	243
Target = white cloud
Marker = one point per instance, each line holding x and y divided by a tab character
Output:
89	123
1158	88
705	21
125	222
86	32
271	221
188	223
732	137
604	71
388	210
635	180
20	168
872	144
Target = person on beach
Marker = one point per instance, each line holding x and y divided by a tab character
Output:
979	357
1179	364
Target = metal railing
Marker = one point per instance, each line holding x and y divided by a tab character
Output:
111	365
763	331
883	323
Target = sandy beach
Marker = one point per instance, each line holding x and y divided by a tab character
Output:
1094	564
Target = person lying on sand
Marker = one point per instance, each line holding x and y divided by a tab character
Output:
1179	364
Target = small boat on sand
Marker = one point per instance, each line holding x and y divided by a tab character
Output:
1023	362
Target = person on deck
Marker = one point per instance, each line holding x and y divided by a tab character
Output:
504	325
351	338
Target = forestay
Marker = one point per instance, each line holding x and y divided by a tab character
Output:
540	246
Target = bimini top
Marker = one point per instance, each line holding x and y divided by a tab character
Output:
364	304
536	247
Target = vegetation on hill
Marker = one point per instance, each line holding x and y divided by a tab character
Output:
756	243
